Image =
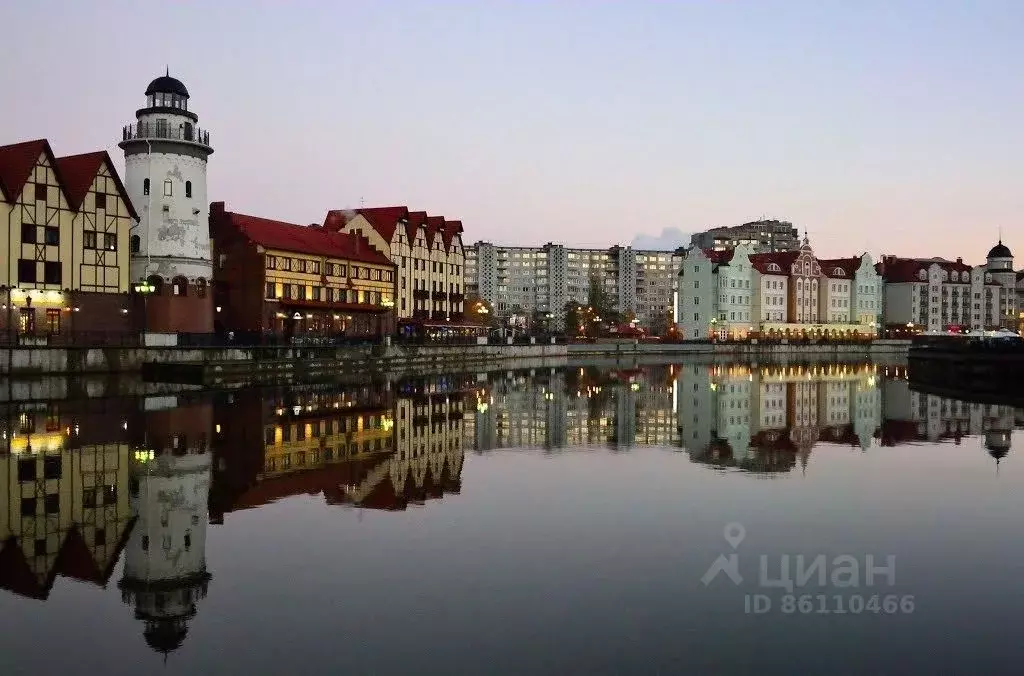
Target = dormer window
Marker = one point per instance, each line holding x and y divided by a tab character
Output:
773	267
838	272
922	275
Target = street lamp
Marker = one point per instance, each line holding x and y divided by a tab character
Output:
145	288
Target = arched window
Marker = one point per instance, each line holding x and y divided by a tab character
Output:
838	272
922	275
145	186
136	243
157	282
201	288
188	188
179	286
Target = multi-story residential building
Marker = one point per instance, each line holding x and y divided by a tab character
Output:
428	254
165	158
736	293
766	236
290	280
64	263
937	294
536	283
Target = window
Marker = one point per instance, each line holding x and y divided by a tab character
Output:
271	289
26	270
51	236
28	233
316	293
41	191
51	272
200	288
168	189
39	547
27	470
145	186
51	504
110	241
135	245
28	506
89	239
188	188
101	200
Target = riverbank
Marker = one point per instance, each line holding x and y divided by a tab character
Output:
224	365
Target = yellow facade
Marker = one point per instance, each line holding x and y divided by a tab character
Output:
51	495
290	446
52	247
335	280
421	267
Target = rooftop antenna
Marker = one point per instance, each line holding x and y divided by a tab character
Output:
167	72
1000	234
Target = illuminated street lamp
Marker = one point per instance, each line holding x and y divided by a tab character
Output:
144	288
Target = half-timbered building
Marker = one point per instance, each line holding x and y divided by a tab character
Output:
65	224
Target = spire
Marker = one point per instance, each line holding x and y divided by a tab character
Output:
167	72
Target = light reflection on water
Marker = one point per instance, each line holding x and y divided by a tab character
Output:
387	528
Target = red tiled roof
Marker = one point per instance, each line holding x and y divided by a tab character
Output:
416	220
301	238
719	256
451	228
384	219
16	163
78	173
897	270
784	259
849	266
435	224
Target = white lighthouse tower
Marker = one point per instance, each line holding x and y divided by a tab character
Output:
165	154
165	559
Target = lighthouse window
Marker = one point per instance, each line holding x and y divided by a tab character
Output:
168	189
145	186
188	188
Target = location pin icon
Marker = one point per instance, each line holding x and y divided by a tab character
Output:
734	534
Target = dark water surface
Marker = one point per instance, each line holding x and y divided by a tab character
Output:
516	523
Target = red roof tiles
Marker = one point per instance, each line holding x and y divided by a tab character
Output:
78	173
435	224
417	219
298	238
896	270
75	173
849	266
784	259
384	219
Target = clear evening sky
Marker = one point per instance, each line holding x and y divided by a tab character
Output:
887	125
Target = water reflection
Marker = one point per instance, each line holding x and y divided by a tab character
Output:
82	481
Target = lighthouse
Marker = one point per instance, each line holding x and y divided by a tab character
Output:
165	156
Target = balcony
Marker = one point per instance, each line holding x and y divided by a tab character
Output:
144	131
421	294
440	295
457	297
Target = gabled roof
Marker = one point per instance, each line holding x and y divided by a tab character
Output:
451	228
416	220
302	239
16	163
435	224
849	266
719	257
784	259
78	173
384	219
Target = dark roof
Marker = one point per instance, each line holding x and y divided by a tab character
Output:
435	224
849	266
301	238
384	219
165	84
784	259
75	173
1000	251
16	163
897	270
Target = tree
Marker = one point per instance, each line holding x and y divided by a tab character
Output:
480	311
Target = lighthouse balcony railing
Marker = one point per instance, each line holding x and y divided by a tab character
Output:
146	131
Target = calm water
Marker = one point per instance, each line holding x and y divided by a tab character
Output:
516	522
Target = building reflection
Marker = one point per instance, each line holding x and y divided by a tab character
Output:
64	507
165	562
376	447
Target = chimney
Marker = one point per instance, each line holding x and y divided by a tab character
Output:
960	261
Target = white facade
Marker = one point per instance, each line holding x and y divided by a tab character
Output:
736	291
698	293
934	294
866	295
165	177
